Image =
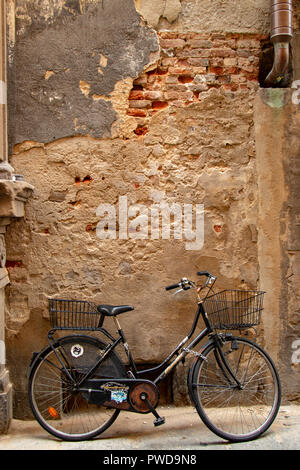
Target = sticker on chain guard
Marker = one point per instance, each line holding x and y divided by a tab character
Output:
77	350
117	392
118	396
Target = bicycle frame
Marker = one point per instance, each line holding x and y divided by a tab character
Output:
101	380
169	362
180	351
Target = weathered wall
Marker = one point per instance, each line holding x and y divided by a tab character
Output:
204	15
73	62
278	145
103	106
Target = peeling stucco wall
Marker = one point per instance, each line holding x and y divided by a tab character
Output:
204	15
62	82
152	100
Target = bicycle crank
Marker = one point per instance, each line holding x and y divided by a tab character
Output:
143	398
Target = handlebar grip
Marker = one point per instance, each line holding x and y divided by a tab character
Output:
173	286
204	273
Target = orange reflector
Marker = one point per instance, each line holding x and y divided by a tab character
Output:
52	412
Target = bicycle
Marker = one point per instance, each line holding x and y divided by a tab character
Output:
78	384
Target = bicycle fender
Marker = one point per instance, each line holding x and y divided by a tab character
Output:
38	356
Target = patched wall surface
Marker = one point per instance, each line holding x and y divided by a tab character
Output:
206	15
111	108
68	58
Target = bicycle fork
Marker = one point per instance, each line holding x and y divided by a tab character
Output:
223	363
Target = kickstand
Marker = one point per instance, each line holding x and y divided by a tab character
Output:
159	420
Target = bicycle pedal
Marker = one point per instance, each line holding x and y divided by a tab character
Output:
159	421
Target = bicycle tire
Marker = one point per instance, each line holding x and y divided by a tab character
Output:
59	410
234	414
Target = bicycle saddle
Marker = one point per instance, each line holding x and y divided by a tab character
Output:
112	310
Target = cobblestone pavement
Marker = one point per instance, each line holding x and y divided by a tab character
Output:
183	431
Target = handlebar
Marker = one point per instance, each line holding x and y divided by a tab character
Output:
173	286
204	273
185	284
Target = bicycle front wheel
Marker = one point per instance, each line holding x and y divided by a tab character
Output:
56	404
236	413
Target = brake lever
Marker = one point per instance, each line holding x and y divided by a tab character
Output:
179	290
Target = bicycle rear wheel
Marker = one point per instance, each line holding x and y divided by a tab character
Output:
233	413
57	406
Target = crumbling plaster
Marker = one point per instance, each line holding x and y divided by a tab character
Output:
63	83
206	15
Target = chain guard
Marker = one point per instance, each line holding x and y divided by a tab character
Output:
123	394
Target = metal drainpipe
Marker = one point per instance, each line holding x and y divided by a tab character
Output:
5	168
281	35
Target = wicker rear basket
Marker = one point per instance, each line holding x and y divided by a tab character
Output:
234	309
73	314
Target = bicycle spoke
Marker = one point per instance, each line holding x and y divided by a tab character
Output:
57	403
237	412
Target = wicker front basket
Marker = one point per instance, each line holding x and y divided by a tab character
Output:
234	309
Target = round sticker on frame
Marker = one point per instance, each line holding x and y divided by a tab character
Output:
77	350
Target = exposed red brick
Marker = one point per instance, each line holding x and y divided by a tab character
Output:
176	87
166	61
226	60
136	112
194	35
251	76
140	104
185	78
218	36
171	79
200	43
158	71
177	95
199	70
224	78
223	52
153	95
172	43
243	53
216	70
231	70
179	70
137	87
13	264
230	61
198	61
159	104
216	61
141	130
231	86
140	81
194	53
246	43
136	95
